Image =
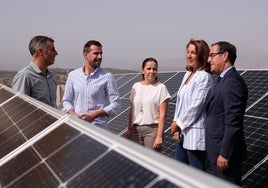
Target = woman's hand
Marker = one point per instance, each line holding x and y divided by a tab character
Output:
158	143
128	134
174	127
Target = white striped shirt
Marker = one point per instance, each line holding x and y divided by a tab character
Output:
189	113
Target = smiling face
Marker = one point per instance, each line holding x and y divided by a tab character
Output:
93	57
150	72
192	57
217	60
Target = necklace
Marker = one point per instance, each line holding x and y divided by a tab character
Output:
143	96
141	108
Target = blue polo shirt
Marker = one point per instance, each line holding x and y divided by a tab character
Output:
31	81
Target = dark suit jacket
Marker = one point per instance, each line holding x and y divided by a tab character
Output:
225	110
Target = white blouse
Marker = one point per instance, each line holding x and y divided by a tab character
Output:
146	100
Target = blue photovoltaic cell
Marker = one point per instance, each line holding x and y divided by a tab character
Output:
65	156
163	77
126	87
258	178
164	183
173	84
20	121
5	95
125	78
107	173
18	166
257	82
256	133
260	109
120	123
75	156
63	152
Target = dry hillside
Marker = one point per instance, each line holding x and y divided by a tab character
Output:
7	76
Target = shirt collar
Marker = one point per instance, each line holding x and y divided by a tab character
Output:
92	74
35	67
225	71
37	70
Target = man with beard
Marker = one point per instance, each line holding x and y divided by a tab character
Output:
91	92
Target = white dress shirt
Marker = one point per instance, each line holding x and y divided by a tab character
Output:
89	93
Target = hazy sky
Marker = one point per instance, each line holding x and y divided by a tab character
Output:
131	31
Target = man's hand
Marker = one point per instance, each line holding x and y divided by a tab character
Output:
73	113
88	117
222	163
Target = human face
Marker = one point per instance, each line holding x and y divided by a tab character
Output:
50	53
94	56
216	60
150	72
191	57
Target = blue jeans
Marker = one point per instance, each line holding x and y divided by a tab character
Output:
195	158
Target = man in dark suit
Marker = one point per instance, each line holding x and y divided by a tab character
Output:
225	108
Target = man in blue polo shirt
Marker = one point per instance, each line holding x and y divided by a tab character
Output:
35	79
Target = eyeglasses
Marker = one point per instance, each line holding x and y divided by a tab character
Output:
212	55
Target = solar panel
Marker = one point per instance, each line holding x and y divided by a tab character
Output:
163	77
256	123
124	89
58	150
257	82
119	124
117	76
260	108
256	134
125	78
173	83
169	143
5	95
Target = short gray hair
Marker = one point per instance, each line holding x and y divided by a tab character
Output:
38	42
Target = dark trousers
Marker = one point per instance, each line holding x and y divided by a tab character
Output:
231	174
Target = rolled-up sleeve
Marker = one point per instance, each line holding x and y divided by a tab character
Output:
67	100
114	99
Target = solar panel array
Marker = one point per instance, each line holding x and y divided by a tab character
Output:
255	173
42	147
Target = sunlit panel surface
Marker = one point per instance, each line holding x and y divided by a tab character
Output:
43	147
